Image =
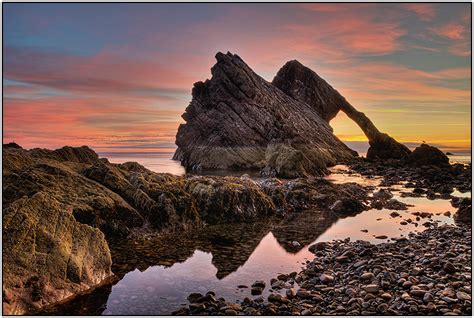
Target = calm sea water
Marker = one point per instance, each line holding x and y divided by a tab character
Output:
159	274
154	161
162	161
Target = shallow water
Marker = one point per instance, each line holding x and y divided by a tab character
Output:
157	275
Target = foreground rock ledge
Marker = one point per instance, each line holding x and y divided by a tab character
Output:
62	208
427	274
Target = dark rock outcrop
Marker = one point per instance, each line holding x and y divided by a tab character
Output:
82	154
237	120
306	86
426	155
12	145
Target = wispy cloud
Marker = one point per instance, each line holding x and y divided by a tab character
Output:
101	73
458	33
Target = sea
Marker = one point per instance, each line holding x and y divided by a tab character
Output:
162	161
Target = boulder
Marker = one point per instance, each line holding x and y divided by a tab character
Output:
48	255
464	213
426	155
229	199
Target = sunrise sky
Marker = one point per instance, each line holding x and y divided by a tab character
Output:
118	77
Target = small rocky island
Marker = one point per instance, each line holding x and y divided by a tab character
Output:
69	216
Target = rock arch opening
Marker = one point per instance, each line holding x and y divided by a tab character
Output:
303	84
349	133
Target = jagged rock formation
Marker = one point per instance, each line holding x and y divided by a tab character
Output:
306	86
237	120
62	208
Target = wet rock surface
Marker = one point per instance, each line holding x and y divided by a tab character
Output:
427	274
432	180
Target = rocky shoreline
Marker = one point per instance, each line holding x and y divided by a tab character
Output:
65	210
428	273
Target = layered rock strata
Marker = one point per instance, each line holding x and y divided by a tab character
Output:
237	120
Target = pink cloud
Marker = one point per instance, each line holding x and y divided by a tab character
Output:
457	34
105	72
369	84
97	121
452	31
346	38
425	11
348	32
332	7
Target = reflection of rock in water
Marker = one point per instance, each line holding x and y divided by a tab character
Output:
142	253
304	228
232	244
90	303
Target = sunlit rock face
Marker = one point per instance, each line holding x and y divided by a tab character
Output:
237	120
